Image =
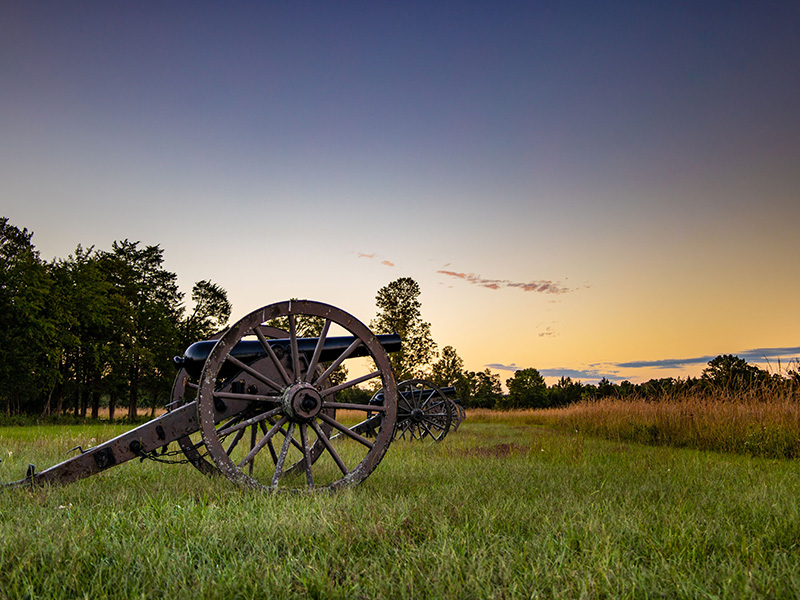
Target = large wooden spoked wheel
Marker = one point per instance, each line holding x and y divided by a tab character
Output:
268	423
423	411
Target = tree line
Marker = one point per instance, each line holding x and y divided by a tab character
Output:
400	310
100	326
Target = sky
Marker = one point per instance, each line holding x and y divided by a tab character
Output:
592	189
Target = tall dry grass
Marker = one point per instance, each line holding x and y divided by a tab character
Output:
762	422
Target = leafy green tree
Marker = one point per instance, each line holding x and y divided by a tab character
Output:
731	373
399	310
605	388
526	389
565	392
83	294
148	306
210	313
29	345
449	369
479	389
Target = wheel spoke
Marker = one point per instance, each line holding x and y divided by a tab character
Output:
247	397
253	431
258	375
271	448
283	431
348	432
335	364
234	442
251	421
348	406
307	455
329	447
431	394
282	457
433	422
224	425
364	425
403	396
293	345
271	353
263	441
351	383
317	351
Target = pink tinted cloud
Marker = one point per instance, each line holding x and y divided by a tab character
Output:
544	287
373	256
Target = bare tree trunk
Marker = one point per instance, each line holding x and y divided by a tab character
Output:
84	400
46	407
112	404
134	394
95	404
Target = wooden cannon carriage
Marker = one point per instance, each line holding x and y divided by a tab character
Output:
259	405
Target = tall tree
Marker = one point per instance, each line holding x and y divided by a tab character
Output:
28	336
479	389
732	373
449	369
148	303
83	293
526	389
210	313
565	392
400	311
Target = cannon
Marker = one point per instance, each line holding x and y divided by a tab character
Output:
424	411
460	413
265	412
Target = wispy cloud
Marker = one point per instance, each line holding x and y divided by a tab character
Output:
542	286
374	256
502	367
753	355
585	375
623	371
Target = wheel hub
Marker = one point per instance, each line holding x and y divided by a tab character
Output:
417	415
301	402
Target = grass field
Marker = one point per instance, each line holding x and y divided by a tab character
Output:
503	508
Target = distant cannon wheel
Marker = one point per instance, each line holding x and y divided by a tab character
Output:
459	414
462	412
275	423
423	411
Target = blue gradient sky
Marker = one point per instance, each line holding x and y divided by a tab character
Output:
587	188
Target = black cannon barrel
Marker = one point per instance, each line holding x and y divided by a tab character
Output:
194	357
